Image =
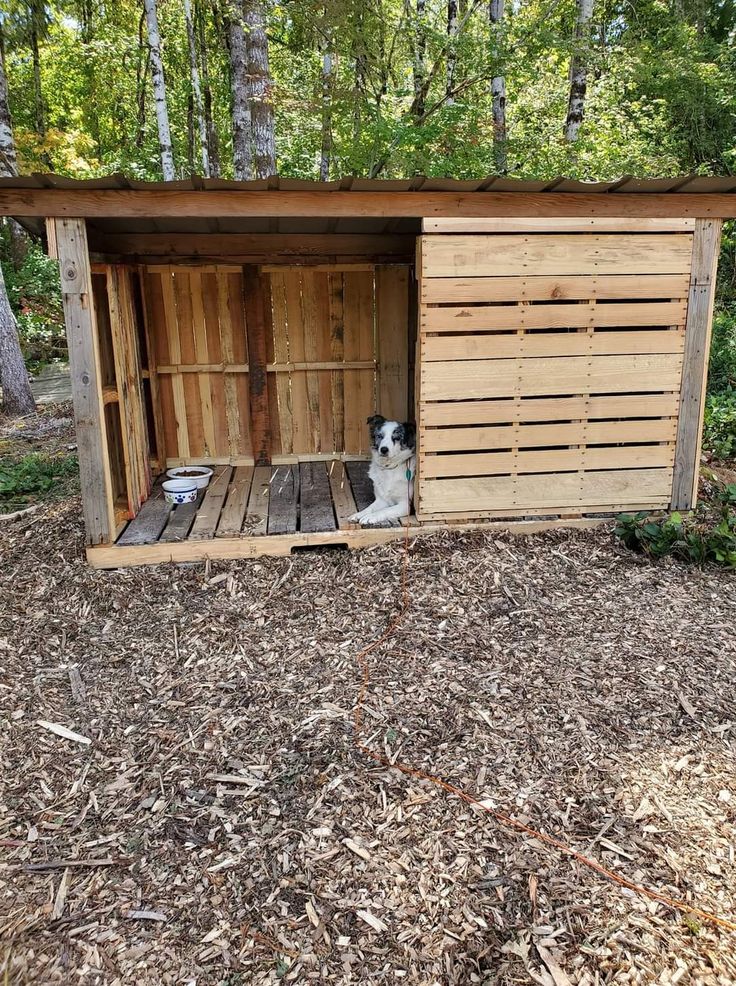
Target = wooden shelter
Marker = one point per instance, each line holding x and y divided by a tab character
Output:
550	339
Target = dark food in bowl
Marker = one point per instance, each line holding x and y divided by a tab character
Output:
190	472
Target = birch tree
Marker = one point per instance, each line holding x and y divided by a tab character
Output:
578	71
159	91
17	398
213	144
452	30
197	89
328	61
242	157
498	85
259	89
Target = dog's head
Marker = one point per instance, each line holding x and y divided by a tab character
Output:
392	441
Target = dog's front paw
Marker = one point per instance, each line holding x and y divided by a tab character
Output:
355	518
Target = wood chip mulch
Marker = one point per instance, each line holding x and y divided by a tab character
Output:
181	801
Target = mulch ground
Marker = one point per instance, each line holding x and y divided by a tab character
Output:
221	828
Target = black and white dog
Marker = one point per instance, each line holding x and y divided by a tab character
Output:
393	467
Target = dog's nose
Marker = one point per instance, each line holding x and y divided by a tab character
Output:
384	450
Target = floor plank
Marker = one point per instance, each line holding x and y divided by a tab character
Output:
180	520
208	514
256	517
151	519
282	508
233	513
360	482
316	512
342	495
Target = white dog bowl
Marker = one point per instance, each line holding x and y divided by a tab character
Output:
197	475
179	491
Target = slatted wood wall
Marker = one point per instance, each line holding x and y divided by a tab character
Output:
550	367
337	345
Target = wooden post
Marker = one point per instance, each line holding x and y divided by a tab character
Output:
257	304
706	244
84	364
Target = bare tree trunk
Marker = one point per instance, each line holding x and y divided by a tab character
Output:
8	157
498	86
260	87
17	397
197	89
452	29
159	91
328	59
213	144
578	71
242	157
419	54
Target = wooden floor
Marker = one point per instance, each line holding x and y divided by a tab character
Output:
249	511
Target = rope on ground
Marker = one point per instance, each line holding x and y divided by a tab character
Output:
505	820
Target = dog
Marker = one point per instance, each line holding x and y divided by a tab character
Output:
393	467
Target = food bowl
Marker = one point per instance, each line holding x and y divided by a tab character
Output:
179	491
198	475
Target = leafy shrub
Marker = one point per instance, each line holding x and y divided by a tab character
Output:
35	477
706	535
719	433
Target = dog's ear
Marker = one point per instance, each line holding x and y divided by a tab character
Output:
376	420
410	434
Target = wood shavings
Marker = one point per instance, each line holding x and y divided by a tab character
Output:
55	727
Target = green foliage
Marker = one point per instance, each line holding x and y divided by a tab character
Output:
719	433
35	477
35	297
706	536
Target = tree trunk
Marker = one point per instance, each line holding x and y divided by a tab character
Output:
260	86
360	69
328	59
17	398
452	29
242	158
213	144
578	71
8	158
498	86
159	91
197	89
419	54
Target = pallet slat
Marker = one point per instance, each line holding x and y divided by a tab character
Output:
342	495
316	513
568	433
284	500
524	316
499	346
480	412
256	517
552	287
208	514
150	521
360	482
233	513
181	519
547	460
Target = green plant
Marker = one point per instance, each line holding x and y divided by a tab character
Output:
706	535
34	477
719	431
34	291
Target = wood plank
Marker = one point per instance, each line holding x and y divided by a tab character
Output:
459	290
274	418
181	519
151	520
337	353
549	409
302	427
568	433
342	494
359	344
287	246
560	224
498	345
208	514
238	494
202	355
315	499
447	380
582	490
706	245
183	449
225	549
392	340
601	253
547	460
86	382
153	325
280	335
323	204
310	324
256	517
321	297
120	328
477	318
182	289
360	483
284	500
257	305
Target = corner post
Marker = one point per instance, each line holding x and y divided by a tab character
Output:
699	322
70	236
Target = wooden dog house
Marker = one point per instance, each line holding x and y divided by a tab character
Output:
550	339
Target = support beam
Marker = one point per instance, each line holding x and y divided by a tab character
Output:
84	364
289	246
706	245
257	306
208	204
